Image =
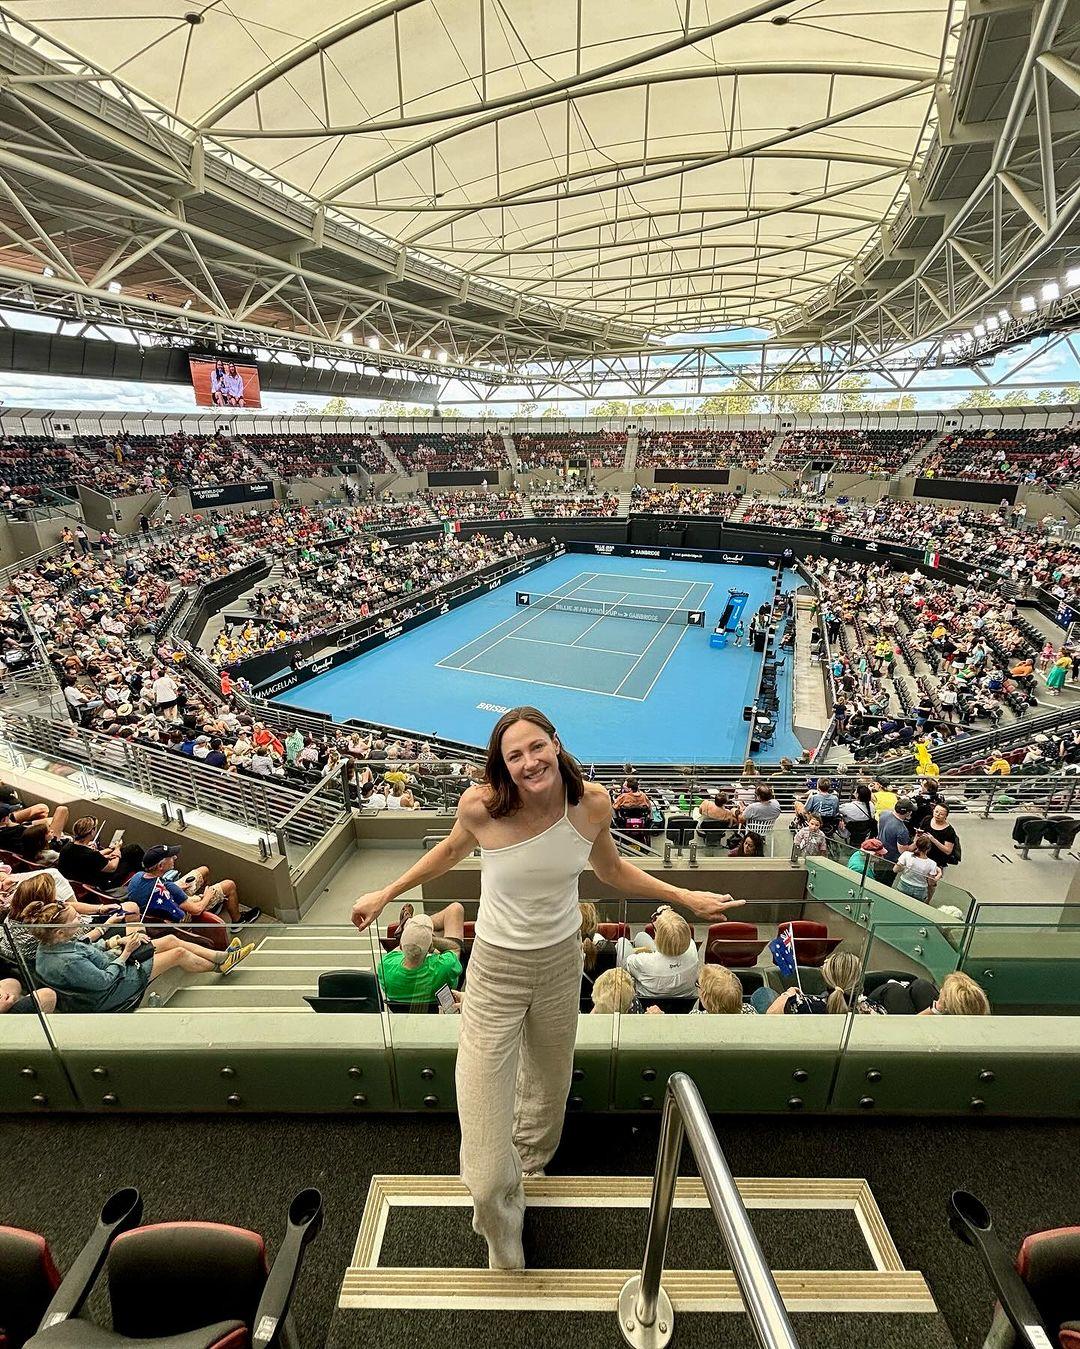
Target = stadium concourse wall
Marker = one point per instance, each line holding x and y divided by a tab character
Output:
1022	1061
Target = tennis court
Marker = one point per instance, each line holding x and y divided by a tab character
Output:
609	682
568	639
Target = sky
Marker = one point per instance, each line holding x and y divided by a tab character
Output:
44	391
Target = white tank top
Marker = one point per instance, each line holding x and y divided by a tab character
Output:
529	890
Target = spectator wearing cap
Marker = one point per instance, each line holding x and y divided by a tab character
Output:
862	862
893	829
170	901
428	956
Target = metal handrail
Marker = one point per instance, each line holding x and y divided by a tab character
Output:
646	1316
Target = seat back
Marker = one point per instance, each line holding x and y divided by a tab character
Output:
28	1279
812	941
170	1278
680	829
670	1005
346	991
735	945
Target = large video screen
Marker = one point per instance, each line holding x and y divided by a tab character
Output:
224	384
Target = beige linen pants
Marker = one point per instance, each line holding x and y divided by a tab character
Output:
515	1058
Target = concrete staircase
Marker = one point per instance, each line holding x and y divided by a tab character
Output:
630	457
391	458
511	454
286	965
624	502
773	450
908	468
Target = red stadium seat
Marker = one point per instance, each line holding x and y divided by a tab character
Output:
613	931
735	945
812	941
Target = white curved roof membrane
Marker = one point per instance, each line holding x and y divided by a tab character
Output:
681	164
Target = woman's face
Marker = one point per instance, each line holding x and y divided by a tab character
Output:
941	816
531	757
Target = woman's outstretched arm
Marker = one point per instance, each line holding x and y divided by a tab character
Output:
441	859
623	875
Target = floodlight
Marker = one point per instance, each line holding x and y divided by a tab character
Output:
114	287
441	358
992	324
1051	291
979	330
1003	317
1072	277
425	355
373	342
1027	304
347	338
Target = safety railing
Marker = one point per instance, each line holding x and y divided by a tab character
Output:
329	797
176	780
646	1314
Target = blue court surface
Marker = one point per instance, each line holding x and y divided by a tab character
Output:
616	686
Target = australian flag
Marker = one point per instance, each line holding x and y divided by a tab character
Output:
782	949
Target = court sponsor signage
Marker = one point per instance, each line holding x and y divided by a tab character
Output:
645	552
395	631
735	558
319	666
492	707
682	556
280	685
604	549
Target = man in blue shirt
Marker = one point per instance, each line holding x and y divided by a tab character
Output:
166	901
893	829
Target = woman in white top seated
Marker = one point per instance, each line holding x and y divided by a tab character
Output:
667	967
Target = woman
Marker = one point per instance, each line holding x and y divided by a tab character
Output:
918	873
101	868
944	840
750	845
90	979
613	993
537	824
664	965
721	994
842	972
859	820
38	842
1055	676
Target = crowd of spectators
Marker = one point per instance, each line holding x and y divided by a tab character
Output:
558	503
363	576
30	468
473	505
553	449
683	501
437	451
703	449
1044	458
968	657
875	453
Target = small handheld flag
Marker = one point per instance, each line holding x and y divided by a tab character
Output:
782	950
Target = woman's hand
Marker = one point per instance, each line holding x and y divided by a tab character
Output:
367	908
712	908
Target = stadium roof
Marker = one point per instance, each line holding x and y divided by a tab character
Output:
506	180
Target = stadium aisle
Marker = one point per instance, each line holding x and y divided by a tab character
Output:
215	1168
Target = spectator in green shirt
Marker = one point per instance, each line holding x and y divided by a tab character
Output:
294	743
428	955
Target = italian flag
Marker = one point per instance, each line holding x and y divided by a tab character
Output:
451	527
931	559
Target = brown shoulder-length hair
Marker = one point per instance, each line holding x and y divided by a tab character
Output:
503	798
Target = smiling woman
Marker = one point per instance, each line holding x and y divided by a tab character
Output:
538	824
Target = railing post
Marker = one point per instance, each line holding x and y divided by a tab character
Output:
646	1317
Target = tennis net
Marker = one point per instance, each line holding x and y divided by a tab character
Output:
647	613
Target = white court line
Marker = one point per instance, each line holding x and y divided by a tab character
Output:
539	641
682	634
596	624
545	609
678	605
512	619
547	684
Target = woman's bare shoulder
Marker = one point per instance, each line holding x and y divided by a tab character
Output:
597	802
473	805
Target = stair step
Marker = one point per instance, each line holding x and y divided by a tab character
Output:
224	993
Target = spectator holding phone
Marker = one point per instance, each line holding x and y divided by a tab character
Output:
82	859
428	955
